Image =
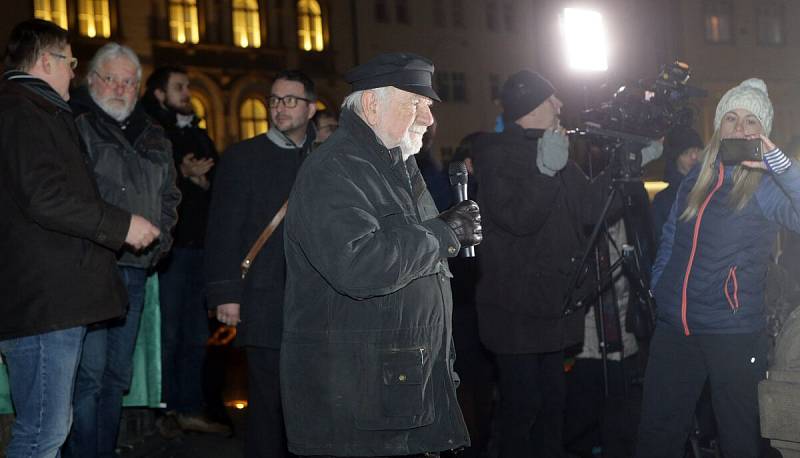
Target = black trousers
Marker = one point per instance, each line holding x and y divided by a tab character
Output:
592	419
266	436
676	372
532	402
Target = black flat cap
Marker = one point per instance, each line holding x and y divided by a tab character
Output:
402	70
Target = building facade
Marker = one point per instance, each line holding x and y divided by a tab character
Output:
233	48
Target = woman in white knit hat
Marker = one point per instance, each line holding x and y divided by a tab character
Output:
708	280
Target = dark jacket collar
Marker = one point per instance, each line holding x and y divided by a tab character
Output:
366	136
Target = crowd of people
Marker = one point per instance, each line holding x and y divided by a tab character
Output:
334	252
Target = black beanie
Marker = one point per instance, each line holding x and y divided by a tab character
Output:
522	93
678	140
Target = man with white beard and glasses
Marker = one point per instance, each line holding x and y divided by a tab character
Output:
132	162
367	352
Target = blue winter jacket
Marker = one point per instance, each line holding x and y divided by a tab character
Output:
710	272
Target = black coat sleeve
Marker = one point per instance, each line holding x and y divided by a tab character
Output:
361	247
513	193
224	248
37	174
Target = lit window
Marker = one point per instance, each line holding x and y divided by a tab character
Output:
718	17
246	24
451	86
200	111
183	21
94	18
309	25
51	10
252	118
770	23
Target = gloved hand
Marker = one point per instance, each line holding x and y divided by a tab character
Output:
464	219
552	152
651	152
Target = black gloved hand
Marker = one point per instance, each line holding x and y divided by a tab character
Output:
464	219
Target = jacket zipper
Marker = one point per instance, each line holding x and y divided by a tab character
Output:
720	178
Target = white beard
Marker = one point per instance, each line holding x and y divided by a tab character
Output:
409	145
116	111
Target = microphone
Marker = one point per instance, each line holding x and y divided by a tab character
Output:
458	180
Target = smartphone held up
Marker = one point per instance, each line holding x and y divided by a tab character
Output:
734	151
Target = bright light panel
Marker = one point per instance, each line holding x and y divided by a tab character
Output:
585	36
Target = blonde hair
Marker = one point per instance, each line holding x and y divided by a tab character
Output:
745	182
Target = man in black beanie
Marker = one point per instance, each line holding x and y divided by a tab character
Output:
535	204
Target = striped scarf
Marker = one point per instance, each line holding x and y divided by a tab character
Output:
37	86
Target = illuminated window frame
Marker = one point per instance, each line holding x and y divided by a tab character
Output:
246	24
253	118
200	109
718	21
94	18
54	11
310	33
770	22
183	21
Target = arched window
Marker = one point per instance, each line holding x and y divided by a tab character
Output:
309	26
94	18
246	24
252	118
54	11
200	112
183	26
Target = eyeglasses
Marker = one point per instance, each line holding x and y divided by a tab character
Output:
289	101
72	61
127	83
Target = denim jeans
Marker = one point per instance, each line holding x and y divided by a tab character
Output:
42	376
104	375
184	330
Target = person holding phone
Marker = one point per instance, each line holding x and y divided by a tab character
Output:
709	280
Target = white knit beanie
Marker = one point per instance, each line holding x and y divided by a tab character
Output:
752	96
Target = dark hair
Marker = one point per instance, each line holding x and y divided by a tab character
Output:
160	77
29	38
300	77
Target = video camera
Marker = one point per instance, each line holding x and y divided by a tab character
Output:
639	113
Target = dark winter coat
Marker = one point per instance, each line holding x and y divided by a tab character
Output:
366	362
252	181
57	236
724	281
193	210
133	166
533	231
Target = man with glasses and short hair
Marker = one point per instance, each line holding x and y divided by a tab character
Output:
132	161
252	182
58	239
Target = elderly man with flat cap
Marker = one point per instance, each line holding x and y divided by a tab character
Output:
366	357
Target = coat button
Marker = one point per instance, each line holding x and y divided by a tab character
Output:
124	189
451	250
402	377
